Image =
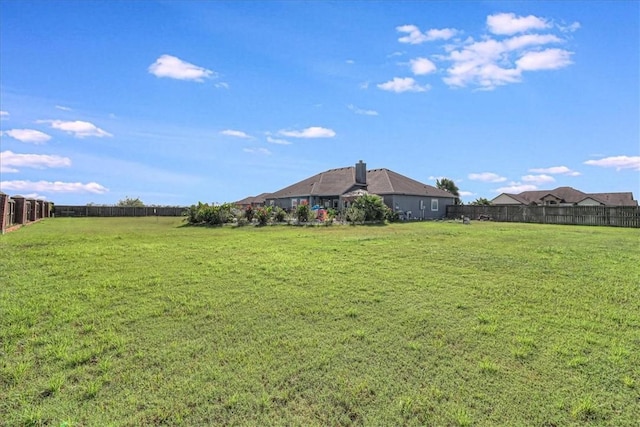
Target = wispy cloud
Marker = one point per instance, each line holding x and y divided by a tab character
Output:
53	187
538	179
28	135
310	132
235	133
555	170
617	162
63	108
10	161
262	151
175	68
415	36
222	85
361	111
77	128
516	187
278	141
403	84
4	115
486	177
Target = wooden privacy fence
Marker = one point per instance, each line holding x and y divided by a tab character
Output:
112	211
615	216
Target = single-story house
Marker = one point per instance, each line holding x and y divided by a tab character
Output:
565	196
336	188
253	201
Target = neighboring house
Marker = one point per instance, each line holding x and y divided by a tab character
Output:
336	188
253	201
565	196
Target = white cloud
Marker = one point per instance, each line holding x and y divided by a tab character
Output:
278	141
34	196
618	162
350	61
222	85
538	179
415	36
513	47
569	28
28	135
509	23
235	133
63	108
77	128
422	66
516	187
175	68
555	170
53	187
262	151
466	193
548	59
4	115
527	40
10	161
406	84
486	177
310	132
361	111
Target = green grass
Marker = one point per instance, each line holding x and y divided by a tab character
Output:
143	322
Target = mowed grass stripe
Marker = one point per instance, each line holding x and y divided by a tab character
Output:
137	321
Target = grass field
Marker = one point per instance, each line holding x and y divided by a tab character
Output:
141	321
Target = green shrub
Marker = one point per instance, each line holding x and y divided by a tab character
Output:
263	215
302	213
249	212
279	215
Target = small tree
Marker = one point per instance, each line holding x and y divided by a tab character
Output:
449	186
481	202
130	202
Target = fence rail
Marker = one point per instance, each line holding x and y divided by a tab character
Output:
113	211
615	216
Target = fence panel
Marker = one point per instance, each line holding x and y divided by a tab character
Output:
117	211
616	216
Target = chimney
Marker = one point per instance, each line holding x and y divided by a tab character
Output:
361	173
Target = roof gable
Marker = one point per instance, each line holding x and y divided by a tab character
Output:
385	181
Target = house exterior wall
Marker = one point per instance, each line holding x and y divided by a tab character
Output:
588	202
503	199
419	206
32	211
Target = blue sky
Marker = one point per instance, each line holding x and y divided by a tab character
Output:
179	102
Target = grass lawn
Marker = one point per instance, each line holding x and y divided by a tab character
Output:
141	321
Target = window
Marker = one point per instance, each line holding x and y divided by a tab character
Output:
294	203
434	204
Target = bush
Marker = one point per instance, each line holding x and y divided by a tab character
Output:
368	207
249	212
263	215
279	215
302	213
213	214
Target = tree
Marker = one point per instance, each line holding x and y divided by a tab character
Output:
481	202
449	186
128	201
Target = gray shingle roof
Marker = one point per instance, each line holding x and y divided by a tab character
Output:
342	180
571	195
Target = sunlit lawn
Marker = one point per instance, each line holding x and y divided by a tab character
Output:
141	321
